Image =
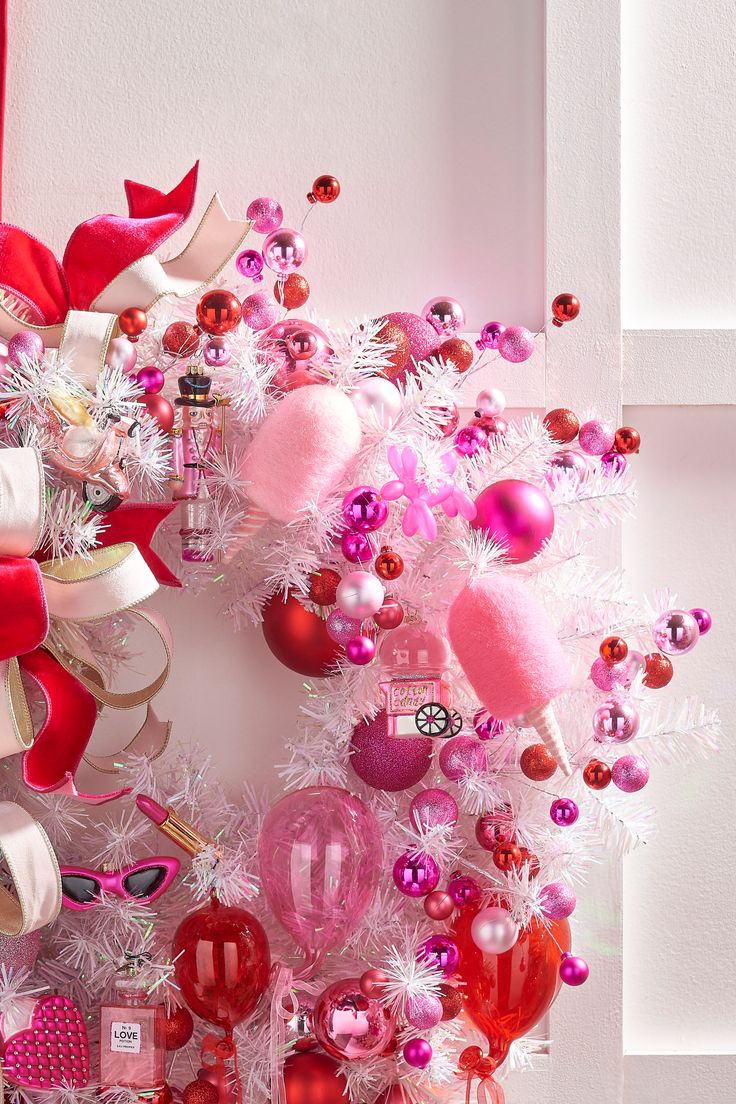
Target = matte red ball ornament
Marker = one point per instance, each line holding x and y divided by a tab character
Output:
298	637
457	351
323	586
293	292
181	339
325	189
160	409
132	322
390	615
389	564
200	1092
597	774
438	905
178	1028
373	982
613	650
627	440
313	1078
658	670
562	425
537	763
218	311
565	307
222	963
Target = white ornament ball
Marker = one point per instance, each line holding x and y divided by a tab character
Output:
121	354
377	397
360	594
491	402
493	931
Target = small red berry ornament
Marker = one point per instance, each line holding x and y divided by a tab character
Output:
132	322
219	311
613	650
537	763
658	670
562	425
565	307
178	1028
323	586
597	774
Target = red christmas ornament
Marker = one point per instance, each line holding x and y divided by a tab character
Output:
494	828
325	189
222	963
200	1092
613	650
218	311
562	425
323	586
506	856
293	292
298	638
390	615
389	564
391	333
457	351
372	982
132	322
181	339
178	1028
537	763
597	774
451	999
160	409
528	858
627	440
565	307
313	1078
658	670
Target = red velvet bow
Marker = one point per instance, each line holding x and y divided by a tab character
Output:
473	1064
96	253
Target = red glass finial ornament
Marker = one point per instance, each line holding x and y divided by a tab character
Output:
325	189
565	307
132	322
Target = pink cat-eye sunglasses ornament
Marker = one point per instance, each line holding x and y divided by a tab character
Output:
142	881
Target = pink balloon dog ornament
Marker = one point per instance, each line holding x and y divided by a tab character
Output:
418	516
507	647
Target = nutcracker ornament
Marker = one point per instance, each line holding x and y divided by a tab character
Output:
417	691
198	436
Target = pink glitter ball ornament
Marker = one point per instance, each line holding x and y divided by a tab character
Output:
617	677
265	214
19	952
424	1011
460	755
432	808
385	763
516	344
596	437
424	341
630	773
557	901
25	344
260	310
342	628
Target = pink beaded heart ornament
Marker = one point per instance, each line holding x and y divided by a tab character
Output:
51	1050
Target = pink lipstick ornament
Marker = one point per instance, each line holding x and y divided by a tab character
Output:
509	651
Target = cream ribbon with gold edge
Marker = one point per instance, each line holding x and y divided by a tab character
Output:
31	863
67	594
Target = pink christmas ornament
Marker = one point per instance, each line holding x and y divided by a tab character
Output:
360	594
260	311
617	677
490	402
564	812
703	619
509	651
440	951
461	754
489	335
439	905
377	399
19	952
356	548
615	722
216	351
284	251
121	355
493	931
364	510
470	439
675	632
26	344
516	344
320	857
573	970
151	379
373	982
385	763
415	874
301	451
360	650
417	1053
557	901
464	890
517	516
423	1011
45	1044
614	463
432	808
350	1025
566	467
265	214
596	437
445	315
390	615
486	726
342	628
249	263
423	339
630	773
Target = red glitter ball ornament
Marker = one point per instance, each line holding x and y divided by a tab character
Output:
178	1028
565	307
181	339
537	763
562	425
613	650
658	670
458	352
391	333
293	292
451	1000
389	564
597	774
200	1092
325	189
219	311
627	440
323	586
132	322
507	856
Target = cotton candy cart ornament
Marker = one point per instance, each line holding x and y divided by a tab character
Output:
512	658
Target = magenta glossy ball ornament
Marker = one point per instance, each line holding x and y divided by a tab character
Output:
462	755
703	618
615	722
151	379
360	650
265	214
360	594
557	901
486	726
433	808
675	632
385	763
417	1053
565	466
249	263
349	1025
26	344
596	437
356	548
470	439
284	251
416	874
390	615
440	951
489	335
260	311
464	890
491	402
121	355
216	352
564	812
516	344
445	315
517	516
630	773
342	628
614	463
439	905
364	510
302	344
573	970
423	1011
494	931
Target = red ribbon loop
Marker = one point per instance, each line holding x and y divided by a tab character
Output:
25	621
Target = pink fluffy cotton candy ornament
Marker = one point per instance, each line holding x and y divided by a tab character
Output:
302	450
508	649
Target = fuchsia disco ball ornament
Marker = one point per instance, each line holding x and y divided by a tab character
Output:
517	516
